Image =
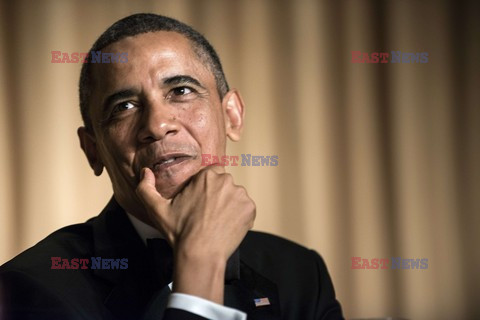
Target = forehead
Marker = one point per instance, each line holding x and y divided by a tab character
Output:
160	44
151	57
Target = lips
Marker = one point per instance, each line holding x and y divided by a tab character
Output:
170	160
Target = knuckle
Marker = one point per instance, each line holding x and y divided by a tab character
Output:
250	213
211	175
240	191
211	171
250	219
244	192
253	213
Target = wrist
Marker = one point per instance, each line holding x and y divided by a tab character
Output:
199	275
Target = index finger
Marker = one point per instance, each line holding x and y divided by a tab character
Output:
150	197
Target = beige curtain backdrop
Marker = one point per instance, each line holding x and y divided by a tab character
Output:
375	160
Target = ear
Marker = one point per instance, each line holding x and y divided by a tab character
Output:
234	114
89	147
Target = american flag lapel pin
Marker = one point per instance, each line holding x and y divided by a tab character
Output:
261	302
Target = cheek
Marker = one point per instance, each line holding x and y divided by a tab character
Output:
207	128
118	150
122	135
204	125
201	120
207	119
116	157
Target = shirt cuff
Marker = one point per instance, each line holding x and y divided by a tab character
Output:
204	308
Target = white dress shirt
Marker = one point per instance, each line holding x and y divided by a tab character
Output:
193	304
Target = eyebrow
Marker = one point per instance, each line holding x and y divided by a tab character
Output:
182	79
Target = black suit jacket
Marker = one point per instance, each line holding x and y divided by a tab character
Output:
294	279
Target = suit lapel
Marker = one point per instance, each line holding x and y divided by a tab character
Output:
133	288
241	294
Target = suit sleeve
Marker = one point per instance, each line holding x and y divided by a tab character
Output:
328	308
24	298
177	314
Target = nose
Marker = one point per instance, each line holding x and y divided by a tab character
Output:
156	123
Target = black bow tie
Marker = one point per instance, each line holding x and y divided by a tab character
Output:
162	256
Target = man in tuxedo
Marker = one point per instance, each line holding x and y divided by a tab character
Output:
174	241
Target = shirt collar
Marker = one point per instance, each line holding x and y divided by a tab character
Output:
144	230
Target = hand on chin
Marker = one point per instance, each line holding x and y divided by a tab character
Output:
170	191
169	184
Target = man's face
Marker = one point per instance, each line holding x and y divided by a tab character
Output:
161	110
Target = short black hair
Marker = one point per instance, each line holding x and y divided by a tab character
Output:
142	23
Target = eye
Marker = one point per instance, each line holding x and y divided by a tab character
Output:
181	94
123	106
181	91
